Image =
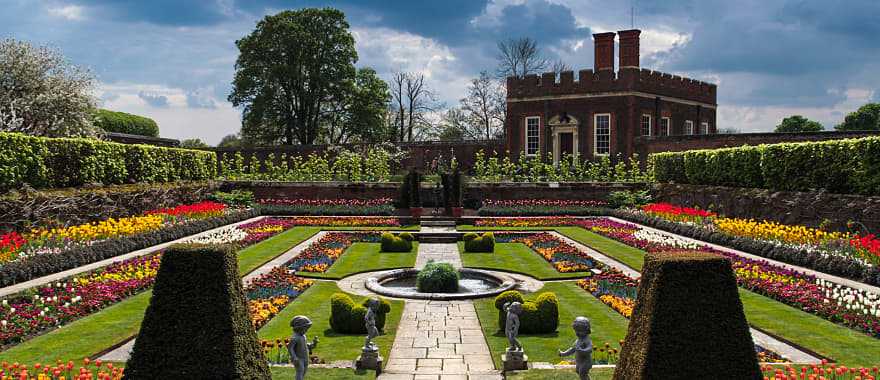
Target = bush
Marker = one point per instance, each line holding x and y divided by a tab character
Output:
348	318
437	278
626	198
479	243
396	243
687	311
234	198
540	316
121	122
65	162
838	166
197	323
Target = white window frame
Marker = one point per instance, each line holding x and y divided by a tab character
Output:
596	134
650	125
664	129
688	127
704	127
536	136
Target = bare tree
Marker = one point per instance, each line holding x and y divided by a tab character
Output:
398	101
519	57
484	106
414	101
559	66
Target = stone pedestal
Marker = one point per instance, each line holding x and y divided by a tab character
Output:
515	360
369	359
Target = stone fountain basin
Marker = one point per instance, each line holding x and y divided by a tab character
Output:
374	284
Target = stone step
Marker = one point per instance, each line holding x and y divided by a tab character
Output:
437	223
438	238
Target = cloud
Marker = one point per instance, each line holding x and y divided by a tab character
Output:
195	99
68	12
153	99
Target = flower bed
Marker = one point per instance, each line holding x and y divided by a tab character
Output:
341	207
821	371
318	257
346	222
44	308
89	370
676	213
563	256
540	207
270	293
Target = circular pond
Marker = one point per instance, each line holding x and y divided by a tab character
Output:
472	284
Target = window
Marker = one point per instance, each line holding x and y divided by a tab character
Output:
533	135
664	126
602	125
646	125
688	127
704	127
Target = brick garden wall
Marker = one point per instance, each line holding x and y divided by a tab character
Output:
655	144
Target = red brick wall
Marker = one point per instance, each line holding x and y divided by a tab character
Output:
648	145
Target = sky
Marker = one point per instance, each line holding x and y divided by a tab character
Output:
173	60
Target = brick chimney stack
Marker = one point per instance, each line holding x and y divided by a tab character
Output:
629	48
604	51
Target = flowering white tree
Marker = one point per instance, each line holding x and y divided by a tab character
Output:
43	94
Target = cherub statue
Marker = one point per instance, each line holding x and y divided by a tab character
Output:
370	321
582	348
511	326
299	347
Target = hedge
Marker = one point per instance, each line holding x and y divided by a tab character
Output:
540	316
346	317
121	122
397	243
687	311
474	242
42	265
42	162
197	324
437	278
850	166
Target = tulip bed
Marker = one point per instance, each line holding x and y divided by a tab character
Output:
319	256
89	370
381	206
47	307
564	257
346	222
540	207
270	293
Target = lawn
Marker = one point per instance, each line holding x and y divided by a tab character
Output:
315	303
366	257
94	333
560	374
323	373
515	257
608	326
844	345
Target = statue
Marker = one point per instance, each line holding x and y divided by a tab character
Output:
299	347
511	326
370	320
582	348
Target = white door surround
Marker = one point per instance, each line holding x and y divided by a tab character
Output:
559	124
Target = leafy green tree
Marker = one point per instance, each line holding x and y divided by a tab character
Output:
866	118
798	123
360	115
193	143
230	141
289	72
121	122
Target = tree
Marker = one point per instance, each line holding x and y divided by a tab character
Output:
193	143
798	123
121	122
290	71
43	94
866	118
230	141
484	106
360	115
518	57
453	126
559	66
414	101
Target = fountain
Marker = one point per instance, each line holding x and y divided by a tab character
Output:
473	283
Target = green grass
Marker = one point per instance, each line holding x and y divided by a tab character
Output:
560	374
515	257
842	344
322	373
366	257
90	335
315	303
608	326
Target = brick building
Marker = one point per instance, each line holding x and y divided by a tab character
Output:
603	111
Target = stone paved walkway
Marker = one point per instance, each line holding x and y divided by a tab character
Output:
440	340
438	252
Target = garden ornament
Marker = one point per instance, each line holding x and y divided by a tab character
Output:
582	348
300	348
511	327
370	320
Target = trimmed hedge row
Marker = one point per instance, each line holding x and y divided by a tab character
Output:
474	242
121	122
346	317
838	166
42	162
834	265
42	265
397	243
540	316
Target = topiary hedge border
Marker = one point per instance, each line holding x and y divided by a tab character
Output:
41	265
42	162
540	316
346	317
849	166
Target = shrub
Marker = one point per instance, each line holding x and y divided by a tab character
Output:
687	310
197	323
479	243
396	243
121	122
539	316
64	162
348	318
628	198
437	278
234	198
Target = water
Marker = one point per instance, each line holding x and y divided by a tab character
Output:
467	284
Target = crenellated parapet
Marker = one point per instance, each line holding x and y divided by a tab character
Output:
606	81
